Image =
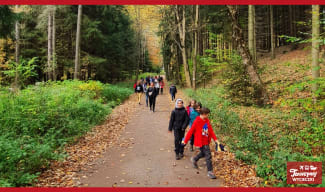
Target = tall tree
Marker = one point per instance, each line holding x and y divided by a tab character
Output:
251	31
196	39
77	56
272	32
17	51
49	45
315	45
53	45
247	60
138	13
181	25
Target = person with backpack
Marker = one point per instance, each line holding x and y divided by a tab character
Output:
162	84
203	132
173	91
178	122
138	90
189	108
195	113
152	94
145	88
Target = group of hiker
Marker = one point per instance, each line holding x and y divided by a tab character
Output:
199	134
193	116
150	86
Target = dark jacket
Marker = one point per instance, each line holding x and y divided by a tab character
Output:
153	90
138	89
172	89
178	119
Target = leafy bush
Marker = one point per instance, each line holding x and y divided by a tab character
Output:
41	119
116	93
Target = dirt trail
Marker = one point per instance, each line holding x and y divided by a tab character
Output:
144	156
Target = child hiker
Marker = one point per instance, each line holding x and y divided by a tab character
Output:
139	91
189	108
203	132
173	91
196	112
162	84
145	87
152	93
178	122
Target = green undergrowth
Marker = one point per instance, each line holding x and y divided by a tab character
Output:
37	122
265	137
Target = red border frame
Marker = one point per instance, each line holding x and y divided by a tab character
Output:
162	2
158	189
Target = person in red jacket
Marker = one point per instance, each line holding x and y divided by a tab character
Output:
203	132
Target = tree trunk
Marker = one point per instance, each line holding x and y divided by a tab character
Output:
272	32
182	35
49	45
53	46
138	42
315	46
251	31
195	45
77	56
17	37
247	59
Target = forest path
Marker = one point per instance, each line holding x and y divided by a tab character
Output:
144	156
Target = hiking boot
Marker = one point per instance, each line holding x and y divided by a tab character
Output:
211	175
194	163
177	157
181	155
191	148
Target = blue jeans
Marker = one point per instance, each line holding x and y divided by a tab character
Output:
173	96
147	98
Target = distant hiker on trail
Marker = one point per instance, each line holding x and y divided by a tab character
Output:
157	85
189	108
173	91
139	90
178	122
203	132
145	88
195	113
162	84
152	93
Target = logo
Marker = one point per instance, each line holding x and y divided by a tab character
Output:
304	172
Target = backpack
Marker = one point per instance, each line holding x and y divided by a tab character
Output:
150	91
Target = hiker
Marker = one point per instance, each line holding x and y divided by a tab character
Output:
189	108
148	79
195	113
145	88
173	91
178	122
139	90
157	85
162	84
152	94
203	132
